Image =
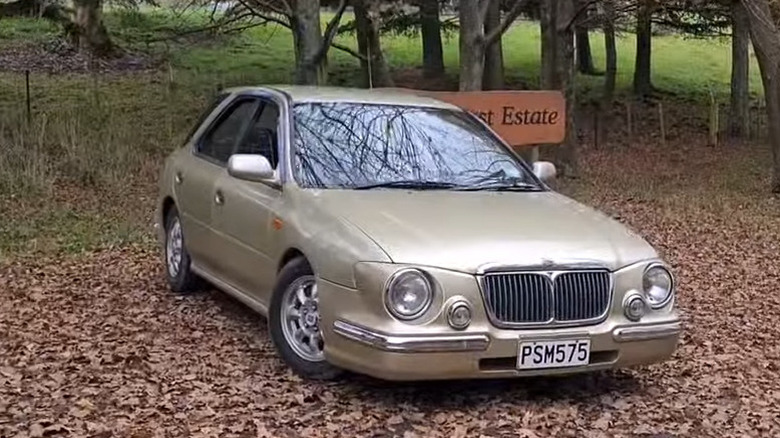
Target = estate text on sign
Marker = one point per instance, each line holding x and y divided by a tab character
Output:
519	117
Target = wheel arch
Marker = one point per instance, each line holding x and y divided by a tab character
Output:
167	204
289	255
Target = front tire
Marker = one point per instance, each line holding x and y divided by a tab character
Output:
178	270
294	322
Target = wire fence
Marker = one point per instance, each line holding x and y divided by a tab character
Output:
168	100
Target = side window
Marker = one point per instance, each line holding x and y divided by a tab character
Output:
262	136
221	139
206	112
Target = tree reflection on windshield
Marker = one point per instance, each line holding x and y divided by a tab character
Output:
349	145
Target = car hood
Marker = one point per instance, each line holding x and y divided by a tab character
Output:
472	231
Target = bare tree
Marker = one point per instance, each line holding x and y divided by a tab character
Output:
494	52
582	34
643	85
608	17
373	65
311	46
610	45
430	28
302	17
90	32
740	65
765	35
558	18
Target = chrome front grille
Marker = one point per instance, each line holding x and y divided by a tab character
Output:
542	298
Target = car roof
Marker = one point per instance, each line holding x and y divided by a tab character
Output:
386	96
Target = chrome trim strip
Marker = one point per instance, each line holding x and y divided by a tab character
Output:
542	265
646	332
552	322
412	344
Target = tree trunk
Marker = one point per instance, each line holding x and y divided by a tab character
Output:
610	45
558	74
584	54
766	43
472	46
433	58
91	35
375	73
548	17
307	36
547	23
566	153
494	57
740	81
643	86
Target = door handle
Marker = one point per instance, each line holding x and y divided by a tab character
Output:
219	198
178	178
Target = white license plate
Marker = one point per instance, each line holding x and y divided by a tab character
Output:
553	354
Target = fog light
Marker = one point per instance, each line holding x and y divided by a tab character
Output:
635	307
459	315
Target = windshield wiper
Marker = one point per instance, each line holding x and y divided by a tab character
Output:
514	186
409	184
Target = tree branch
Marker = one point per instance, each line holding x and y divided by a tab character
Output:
287	8
508	20
581	10
346	49
267	16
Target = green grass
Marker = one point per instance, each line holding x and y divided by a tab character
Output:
67	230
82	174
688	68
26	29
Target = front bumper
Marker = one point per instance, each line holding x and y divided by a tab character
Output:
360	334
492	353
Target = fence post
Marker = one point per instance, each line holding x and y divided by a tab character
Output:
629	117
714	122
27	95
662	122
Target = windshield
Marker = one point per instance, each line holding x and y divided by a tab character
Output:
353	145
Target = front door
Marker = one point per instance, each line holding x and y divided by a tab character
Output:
198	178
243	222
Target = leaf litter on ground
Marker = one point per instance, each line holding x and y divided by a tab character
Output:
95	345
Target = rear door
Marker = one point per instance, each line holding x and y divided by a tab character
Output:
197	173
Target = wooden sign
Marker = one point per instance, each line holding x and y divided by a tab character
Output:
519	117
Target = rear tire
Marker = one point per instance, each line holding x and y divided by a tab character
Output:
293	321
178	270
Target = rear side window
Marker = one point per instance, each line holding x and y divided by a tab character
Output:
220	141
204	115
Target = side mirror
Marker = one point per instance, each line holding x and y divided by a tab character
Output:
250	167
544	170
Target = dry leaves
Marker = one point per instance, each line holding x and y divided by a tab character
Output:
96	345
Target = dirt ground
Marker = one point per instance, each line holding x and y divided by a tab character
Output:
96	345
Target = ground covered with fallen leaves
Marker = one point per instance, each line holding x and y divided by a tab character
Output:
95	345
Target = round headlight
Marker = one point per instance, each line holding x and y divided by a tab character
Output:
409	294
658	285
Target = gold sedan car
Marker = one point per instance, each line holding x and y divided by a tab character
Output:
398	236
